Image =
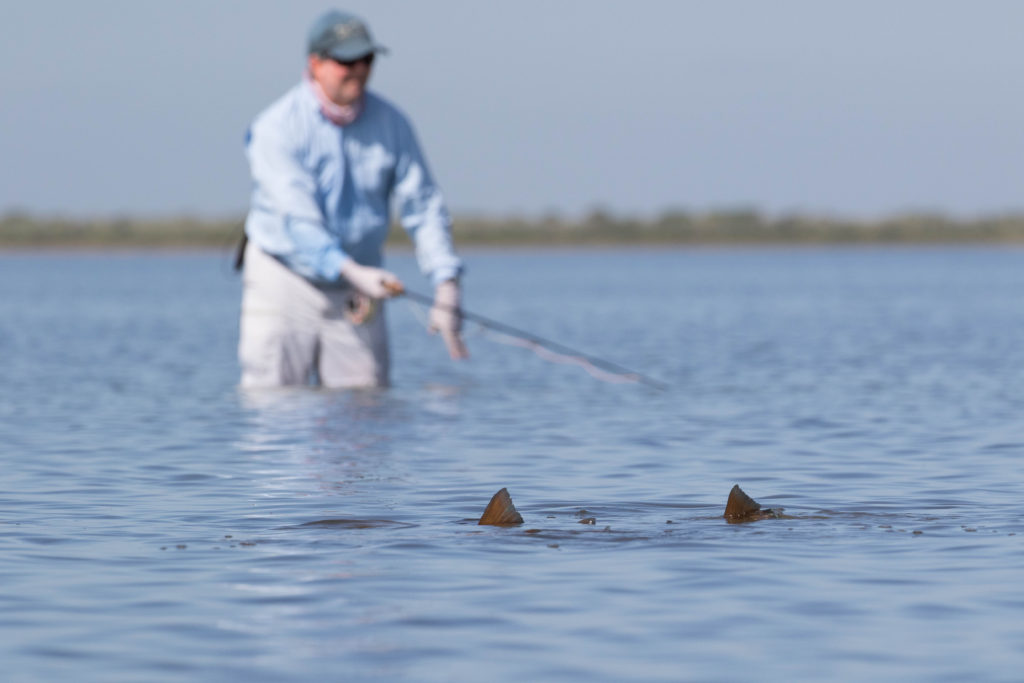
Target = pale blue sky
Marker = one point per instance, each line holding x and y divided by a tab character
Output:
857	109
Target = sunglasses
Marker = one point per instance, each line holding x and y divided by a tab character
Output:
349	63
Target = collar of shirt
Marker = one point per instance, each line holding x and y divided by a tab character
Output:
338	114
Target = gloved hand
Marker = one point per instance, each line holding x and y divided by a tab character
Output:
375	283
446	318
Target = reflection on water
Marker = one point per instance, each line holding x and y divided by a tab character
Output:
158	523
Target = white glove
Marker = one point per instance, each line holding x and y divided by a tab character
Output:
375	283
446	318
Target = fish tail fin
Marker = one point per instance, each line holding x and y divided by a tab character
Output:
740	505
500	511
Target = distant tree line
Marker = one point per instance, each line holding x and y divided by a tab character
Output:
22	230
598	227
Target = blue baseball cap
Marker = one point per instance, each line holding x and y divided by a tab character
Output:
341	36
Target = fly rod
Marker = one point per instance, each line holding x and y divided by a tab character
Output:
605	365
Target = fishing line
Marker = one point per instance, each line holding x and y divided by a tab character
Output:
545	353
545	348
417	312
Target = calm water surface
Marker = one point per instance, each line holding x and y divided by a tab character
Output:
158	524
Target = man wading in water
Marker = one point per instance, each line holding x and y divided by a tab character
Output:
327	159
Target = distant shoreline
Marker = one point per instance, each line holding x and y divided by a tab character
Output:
736	228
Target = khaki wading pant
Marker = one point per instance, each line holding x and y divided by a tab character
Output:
291	330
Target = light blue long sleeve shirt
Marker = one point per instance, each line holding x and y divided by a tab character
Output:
322	193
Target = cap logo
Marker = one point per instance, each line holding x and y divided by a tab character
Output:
348	30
